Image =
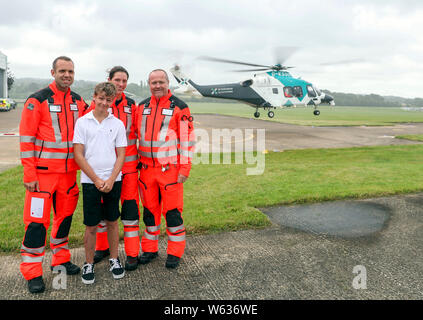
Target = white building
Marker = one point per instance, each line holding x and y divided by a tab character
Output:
3	75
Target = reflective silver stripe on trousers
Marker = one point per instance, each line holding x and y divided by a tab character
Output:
130	234
176	238
175	229
28	259
56	250
101	227
153	228
160	154
150	236
130	222
33	250
58	240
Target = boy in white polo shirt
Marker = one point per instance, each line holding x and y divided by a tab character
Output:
99	149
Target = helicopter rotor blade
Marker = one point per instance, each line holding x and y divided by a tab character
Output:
250	70
283	53
233	62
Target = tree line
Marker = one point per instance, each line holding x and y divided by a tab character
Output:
24	87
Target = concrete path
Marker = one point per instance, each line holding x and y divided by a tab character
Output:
276	263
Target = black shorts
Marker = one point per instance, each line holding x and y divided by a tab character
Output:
94	209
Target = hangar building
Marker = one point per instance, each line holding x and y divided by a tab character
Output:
3	75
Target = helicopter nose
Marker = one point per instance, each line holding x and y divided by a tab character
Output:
328	99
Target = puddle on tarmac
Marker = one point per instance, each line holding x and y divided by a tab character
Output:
340	218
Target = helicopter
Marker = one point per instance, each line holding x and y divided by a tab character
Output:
272	88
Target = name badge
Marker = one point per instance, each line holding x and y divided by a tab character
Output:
73	107
147	111
167	112
55	108
127	110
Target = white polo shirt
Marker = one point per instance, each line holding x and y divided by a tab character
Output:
100	141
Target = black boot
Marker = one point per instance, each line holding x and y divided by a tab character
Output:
71	268
36	285
100	254
146	257
172	261
131	263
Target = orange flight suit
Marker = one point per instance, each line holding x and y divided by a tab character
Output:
46	133
165	131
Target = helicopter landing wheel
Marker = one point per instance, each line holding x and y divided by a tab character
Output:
316	112
256	114
270	114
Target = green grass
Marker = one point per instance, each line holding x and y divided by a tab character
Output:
329	116
412	137
222	197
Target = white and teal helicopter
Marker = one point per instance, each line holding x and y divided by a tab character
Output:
272	88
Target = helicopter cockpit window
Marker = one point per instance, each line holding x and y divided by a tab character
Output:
298	91
275	90
317	90
288	92
311	91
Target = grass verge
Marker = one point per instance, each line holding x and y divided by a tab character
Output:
329	116
222	197
412	137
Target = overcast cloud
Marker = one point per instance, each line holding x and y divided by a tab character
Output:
385	35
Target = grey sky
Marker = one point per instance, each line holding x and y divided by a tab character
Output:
142	35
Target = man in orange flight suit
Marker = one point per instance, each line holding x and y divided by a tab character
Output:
46	133
124	108
164	127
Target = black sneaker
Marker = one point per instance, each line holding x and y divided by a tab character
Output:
146	257
88	276
131	263
172	261
36	285
116	268
100	254
71	268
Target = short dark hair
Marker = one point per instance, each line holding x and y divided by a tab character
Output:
60	58
107	87
115	69
167	78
